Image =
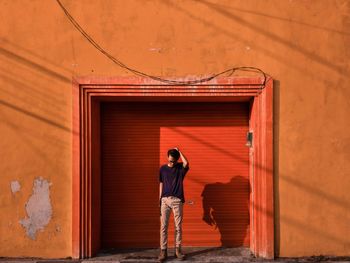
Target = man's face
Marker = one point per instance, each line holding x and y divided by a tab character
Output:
171	161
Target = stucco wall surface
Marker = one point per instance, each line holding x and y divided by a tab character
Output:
303	45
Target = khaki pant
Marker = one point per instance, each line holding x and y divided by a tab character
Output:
168	204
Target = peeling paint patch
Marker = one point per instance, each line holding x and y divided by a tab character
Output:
15	186
38	208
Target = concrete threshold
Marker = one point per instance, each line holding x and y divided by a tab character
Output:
194	254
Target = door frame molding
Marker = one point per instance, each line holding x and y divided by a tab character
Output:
88	92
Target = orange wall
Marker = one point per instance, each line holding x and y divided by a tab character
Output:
303	45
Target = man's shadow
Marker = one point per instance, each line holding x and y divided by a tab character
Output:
226	207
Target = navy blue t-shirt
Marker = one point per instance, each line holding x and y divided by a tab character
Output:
172	179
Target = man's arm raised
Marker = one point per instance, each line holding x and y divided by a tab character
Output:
185	162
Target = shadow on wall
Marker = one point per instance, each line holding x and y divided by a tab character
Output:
33	65
275	54
226	206
274	37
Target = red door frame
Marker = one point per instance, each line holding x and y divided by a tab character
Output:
88	92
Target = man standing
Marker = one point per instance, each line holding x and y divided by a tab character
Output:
171	197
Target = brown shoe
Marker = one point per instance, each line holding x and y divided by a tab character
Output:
163	255
178	254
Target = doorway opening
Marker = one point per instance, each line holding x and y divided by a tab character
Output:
114	118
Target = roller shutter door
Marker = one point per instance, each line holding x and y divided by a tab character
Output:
135	138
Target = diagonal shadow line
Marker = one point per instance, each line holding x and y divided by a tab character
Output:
211	146
221	150
308	189
276	57
32	133
32	100
305	227
35	55
34	65
36	116
285	20
207	144
38	92
274	37
317	192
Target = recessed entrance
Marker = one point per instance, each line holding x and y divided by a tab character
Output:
228	189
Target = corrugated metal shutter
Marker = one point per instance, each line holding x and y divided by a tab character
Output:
135	139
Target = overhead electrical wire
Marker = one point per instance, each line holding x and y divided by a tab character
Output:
142	74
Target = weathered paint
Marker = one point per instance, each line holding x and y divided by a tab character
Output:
302	44
38	208
15	186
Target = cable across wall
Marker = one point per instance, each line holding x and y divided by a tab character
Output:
116	61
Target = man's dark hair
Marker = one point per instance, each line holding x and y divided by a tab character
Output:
174	153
